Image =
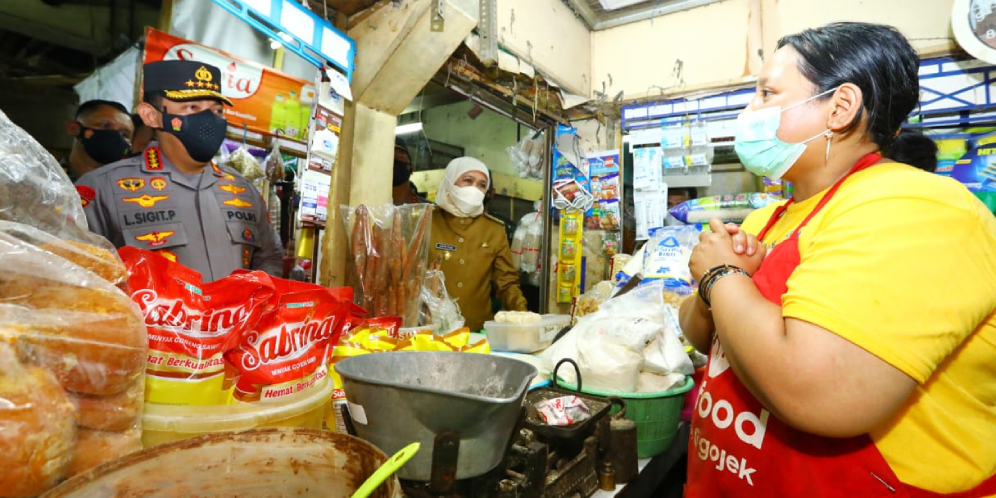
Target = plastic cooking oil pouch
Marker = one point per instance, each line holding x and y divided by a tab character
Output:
190	325
288	351
360	336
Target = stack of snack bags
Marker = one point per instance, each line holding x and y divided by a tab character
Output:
72	344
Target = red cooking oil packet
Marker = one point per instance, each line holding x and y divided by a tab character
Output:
287	352
191	325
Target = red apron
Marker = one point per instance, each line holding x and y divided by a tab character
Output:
738	449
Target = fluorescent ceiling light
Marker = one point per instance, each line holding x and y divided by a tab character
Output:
408	128
618	4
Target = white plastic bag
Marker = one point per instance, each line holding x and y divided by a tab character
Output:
608	366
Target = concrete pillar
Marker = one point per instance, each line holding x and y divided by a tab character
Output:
396	55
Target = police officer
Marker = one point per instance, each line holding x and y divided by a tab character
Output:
172	198
470	246
102	132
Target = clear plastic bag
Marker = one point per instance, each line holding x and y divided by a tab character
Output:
35	191
80	347
438	309
72	344
729	208
389	249
274	164
528	154
242	161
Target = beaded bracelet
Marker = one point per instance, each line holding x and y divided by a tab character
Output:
712	275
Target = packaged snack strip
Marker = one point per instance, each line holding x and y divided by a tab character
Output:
610	214
191	325
610	187
726	207
288	350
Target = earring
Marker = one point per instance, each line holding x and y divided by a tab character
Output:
829	135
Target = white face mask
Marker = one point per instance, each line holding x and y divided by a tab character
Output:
466	201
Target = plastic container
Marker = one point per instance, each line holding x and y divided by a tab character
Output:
525	337
166	423
657	415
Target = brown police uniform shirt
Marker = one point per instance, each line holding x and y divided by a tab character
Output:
214	223
475	257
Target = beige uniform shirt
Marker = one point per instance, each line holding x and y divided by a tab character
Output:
475	256
214	222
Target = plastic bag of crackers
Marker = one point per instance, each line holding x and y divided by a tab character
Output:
72	344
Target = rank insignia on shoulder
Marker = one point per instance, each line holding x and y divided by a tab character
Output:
494	219
152	162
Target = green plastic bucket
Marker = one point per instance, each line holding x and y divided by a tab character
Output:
656	414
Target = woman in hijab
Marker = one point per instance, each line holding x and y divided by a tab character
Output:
470	246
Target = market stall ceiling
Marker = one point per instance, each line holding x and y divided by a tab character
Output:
61	41
605	14
345	7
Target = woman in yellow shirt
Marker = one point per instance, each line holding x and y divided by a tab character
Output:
851	330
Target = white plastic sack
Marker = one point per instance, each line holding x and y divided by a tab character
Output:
608	366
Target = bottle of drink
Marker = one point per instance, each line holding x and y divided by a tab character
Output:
307	100
278	116
292	116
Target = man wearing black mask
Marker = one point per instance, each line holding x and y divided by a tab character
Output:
172	198
102	131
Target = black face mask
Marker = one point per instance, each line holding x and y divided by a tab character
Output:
201	134
104	146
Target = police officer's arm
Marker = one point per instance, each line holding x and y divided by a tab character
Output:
270	256
505	277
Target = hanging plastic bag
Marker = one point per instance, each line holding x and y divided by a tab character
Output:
242	161
274	164
528	154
